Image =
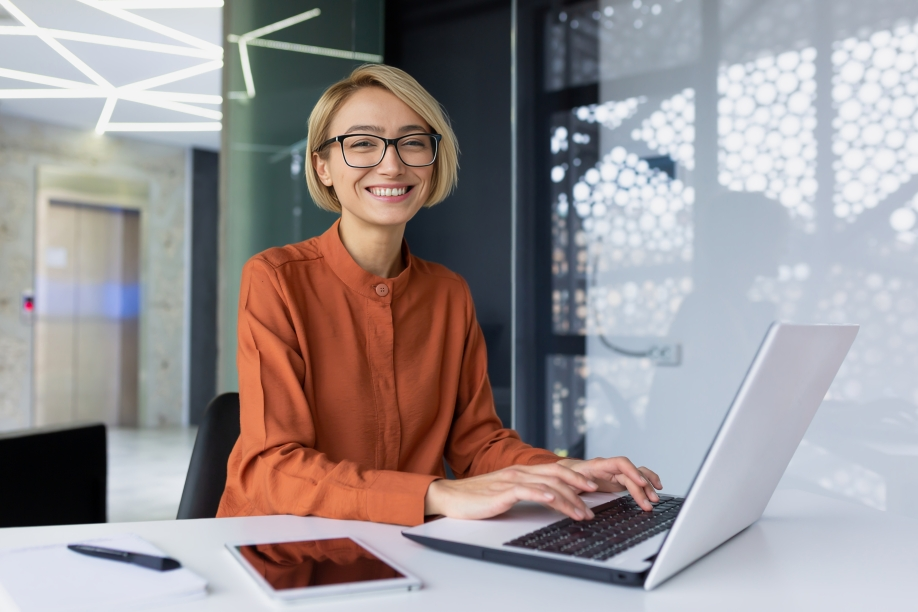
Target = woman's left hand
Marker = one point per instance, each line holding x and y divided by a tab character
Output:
616	474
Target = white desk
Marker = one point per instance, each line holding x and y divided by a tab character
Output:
807	553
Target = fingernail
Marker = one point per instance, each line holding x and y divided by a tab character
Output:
645	480
592	484
580	516
590	514
548	496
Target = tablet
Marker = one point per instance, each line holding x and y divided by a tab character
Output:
291	571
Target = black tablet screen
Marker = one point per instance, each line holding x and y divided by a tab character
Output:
309	563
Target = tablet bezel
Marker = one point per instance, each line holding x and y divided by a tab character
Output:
408	582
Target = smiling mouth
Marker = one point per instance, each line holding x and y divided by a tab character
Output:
378	191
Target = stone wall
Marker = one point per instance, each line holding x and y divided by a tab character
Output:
24	147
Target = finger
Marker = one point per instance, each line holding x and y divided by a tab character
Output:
624	466
637	492
651	476
649	489
552	481
611	486
613	466
538	494
558	487
570	496
562	500
569	476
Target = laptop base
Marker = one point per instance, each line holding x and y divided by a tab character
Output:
527	561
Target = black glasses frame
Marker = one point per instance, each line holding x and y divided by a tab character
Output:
387	141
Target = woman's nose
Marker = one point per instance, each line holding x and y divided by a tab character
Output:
391	162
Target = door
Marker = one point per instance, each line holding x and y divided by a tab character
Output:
87	307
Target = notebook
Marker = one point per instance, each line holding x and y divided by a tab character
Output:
53	578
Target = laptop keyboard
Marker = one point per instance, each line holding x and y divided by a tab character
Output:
617	526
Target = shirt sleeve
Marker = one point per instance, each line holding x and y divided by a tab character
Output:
478	443
275	462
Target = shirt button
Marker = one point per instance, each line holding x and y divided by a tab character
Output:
382	290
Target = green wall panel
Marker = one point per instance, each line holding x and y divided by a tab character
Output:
264	200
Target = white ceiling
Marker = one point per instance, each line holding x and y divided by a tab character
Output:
37	42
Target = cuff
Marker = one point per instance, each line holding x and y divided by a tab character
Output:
398	498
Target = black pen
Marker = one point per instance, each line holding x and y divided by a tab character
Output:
162	564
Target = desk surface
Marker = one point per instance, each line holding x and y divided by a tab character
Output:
806	553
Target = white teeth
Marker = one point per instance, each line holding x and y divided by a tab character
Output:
388	192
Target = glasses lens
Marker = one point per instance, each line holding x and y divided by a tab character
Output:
363	151
418	149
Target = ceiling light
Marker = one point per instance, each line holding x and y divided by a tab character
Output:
132	5
31	77
107	111
254	39
58	47
177	96
115	42
111	9
40	94
248	37
142	98
135	92
164	127
98	92
313	50
178	75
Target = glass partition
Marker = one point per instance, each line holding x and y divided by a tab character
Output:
280	57
740	161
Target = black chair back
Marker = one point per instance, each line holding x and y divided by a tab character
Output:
53	476
206	477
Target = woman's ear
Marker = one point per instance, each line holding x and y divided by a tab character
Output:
321	166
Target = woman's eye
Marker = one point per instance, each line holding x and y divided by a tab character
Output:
414	144
362	144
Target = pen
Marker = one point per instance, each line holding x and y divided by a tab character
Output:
162	564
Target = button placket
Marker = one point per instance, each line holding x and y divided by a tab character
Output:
382	365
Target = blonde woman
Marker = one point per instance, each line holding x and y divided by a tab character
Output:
362	366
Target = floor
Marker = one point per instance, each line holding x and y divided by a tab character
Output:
146	472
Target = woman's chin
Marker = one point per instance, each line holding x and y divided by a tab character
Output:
387	215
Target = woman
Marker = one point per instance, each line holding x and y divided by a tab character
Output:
361	366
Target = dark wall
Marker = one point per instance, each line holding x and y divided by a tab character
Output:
204	232
460	52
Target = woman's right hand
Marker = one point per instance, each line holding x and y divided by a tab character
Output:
488	495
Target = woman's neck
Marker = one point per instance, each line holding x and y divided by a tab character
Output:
377	249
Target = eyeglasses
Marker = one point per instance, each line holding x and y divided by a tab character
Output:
367	150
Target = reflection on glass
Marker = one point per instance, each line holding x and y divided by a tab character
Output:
875	141
766	123
280	58
297	565
773	174
566	380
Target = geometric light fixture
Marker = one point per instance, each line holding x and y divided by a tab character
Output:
254	39
138	91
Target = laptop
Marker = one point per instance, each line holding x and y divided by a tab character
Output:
776	401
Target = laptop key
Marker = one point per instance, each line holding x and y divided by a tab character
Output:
617	526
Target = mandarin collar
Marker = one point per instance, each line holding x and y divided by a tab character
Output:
355	277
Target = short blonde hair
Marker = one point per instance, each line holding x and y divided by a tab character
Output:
405	88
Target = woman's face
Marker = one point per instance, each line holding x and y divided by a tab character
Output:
373	110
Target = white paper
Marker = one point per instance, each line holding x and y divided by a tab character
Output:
54	578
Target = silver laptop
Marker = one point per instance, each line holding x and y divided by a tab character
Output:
776	401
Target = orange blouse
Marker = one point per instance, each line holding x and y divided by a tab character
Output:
353	388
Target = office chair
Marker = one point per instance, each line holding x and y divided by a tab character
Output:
53	476
206	477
